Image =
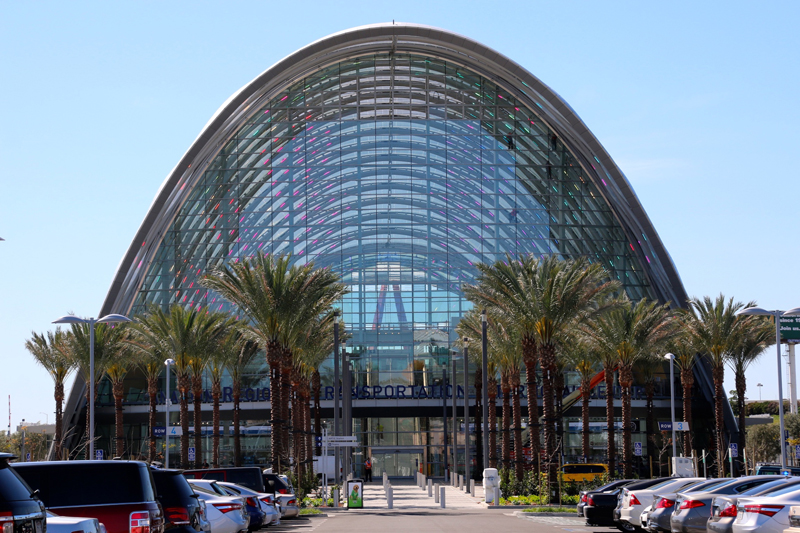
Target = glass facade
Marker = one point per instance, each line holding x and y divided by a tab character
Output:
400	172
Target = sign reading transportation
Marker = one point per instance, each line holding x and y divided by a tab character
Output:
340	441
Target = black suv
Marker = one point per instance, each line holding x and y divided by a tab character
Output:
275	485
181	506
20	510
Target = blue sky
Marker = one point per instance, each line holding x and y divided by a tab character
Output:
696	101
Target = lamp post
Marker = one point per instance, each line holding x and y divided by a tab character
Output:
466	411
776	314
759	385
336	392
168	363
108	319
485	392
671	359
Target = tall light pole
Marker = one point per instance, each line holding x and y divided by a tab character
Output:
759	385
466	411
168	363
336	392
776	314
485	392
108	319
671	358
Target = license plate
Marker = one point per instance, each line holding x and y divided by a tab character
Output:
38	524
739	516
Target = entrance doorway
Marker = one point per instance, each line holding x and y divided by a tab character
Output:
397	461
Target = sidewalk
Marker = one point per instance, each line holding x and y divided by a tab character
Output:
408	495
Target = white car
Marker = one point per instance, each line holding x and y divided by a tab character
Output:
766	514
226	514
636	500
266	501
73	524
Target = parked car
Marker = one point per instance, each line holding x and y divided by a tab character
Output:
723	508
73	524
634	500
120	494
640	485
225	513
252	505
582	471
267	501
766	470
794	520
20	509
664	505
274	484
181	506
693	509
765	514
249	476
583	496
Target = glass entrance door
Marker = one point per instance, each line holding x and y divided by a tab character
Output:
396	463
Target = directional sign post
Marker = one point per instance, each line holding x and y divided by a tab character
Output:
159	431
665	426
681	426
637	449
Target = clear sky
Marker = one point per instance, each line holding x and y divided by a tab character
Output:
696	101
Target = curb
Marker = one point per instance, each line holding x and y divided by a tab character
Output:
564	515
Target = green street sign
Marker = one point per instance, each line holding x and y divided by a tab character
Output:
790	328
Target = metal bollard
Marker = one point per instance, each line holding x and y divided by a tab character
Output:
390	497
441	498
336	497
436	493
430	488
461	482
472	487
496	500
385	479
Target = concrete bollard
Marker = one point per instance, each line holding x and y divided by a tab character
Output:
461	482
472	487
385	479
436	493
441	498
336	497
496	500
430	488
390	497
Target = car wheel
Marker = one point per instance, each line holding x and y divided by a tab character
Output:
625	527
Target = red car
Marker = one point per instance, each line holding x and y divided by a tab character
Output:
119	494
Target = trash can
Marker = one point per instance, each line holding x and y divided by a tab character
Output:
491	480
355	494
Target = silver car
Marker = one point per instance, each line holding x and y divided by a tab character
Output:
664	505
692	509
723	508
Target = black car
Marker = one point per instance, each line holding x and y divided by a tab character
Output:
275	485
247	476
624	526
609	487
20	509
182	512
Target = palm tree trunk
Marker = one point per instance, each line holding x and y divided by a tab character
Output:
237	435
741	389
687	381
286	411
519	456
625	382
478	422
152	392
276	445
183	389
309	443
59	397
119	446
611	450
197	392
492	395
296	429
506	389
86	433
317	385
650	389
530	357
548	362
216	394
718	373
559	403
586	448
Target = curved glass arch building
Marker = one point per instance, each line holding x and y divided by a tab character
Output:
398	155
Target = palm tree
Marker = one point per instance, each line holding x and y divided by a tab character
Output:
758	334
684	353
228	349
580	356
569	291
648	365
280	300
715	331
108	343
238	366
506	289
116	370
629	331
49	351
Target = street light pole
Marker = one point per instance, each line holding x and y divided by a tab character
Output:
671	358
168	363
336	392
108	319
485	392
466	412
